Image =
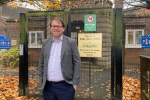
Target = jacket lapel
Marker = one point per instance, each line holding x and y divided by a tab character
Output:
64	43
48	47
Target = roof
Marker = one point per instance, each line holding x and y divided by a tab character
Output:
137	11
2	22
11	13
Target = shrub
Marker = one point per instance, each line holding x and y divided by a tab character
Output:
9	57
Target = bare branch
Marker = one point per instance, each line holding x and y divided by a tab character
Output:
143	5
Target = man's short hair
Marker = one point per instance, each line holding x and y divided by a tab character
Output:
59	19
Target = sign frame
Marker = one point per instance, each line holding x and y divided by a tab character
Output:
90	44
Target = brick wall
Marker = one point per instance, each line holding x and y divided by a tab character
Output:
132	54
118	3
139	20
3	27
34	55
13	32
10	30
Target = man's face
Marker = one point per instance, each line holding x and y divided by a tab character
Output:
57	28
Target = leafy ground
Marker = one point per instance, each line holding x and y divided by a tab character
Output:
9	82
9	86
131	88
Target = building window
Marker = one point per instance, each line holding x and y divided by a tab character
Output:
134	38
35	39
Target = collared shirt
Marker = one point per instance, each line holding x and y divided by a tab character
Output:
54	63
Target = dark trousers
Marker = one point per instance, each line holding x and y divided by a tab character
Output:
58	91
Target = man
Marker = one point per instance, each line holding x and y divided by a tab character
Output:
59	64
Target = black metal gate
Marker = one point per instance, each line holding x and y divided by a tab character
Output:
101	78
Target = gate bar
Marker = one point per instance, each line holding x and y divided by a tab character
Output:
118	52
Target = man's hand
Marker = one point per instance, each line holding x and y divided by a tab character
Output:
75	87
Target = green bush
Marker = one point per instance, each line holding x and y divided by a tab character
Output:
9	58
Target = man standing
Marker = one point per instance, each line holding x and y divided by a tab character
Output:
59	64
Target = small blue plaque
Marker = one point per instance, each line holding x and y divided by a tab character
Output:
146	41
4	42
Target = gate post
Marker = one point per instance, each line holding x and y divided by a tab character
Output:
23	58
118	52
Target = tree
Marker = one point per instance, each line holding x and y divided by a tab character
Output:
137	3
41	4
140	7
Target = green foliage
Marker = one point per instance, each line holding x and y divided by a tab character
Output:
9	58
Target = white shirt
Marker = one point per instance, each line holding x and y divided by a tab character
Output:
54	62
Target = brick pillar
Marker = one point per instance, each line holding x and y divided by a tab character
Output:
118	3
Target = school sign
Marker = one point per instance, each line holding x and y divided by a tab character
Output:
90	44
90	22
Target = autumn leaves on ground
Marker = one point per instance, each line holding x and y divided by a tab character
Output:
9	87
131	88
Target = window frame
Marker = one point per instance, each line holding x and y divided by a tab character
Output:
36	45
134	35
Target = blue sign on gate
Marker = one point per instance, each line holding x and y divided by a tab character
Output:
146	41
4	42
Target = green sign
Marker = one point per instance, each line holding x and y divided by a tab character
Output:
90	22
